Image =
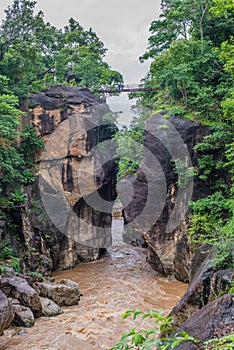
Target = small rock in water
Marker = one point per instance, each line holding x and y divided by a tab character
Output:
22	331
50	308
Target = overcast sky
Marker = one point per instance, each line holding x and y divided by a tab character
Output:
123	26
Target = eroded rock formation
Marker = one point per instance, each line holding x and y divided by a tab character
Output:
68	215
164	224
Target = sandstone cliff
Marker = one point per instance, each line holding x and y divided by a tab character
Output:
68	214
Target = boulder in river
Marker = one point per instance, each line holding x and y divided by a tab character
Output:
50	308
23	316
61	293
18	288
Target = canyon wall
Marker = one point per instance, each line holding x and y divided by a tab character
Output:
65	220
165	142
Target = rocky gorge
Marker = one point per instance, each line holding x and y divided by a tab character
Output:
59	227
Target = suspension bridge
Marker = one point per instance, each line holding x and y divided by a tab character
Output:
125	88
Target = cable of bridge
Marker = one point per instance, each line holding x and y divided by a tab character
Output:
125	88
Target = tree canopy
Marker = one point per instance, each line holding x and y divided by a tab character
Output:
34	54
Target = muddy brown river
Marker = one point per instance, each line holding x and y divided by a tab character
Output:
119	281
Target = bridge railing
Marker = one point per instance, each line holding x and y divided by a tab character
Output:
125	88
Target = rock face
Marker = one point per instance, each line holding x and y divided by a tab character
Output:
167	144
196	296
6	312
215	320
68	216
205	287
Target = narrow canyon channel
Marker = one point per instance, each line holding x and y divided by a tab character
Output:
120	280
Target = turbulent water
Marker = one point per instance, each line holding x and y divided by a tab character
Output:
121	280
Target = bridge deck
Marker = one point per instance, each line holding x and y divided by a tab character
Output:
126	88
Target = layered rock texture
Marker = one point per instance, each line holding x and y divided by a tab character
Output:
164	185
68	215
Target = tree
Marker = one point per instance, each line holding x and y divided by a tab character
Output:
35	55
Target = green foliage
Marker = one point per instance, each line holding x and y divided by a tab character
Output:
223	343
37	276
13	263
8	257
147	339
129	150
212	222
35	55
10	118
192	49
30	144
185	173
5	250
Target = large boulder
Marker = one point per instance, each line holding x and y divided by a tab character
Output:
66	293
60	225
18	288
6	312
214	320
23	316
164	224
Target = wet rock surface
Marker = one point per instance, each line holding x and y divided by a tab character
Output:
215	320
169	251
206	285
21	303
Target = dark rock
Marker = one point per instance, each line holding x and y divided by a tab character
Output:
18	288
50	308
60	293
196	296
214	320
182	257
198	258
23	316
221	282
156	193
6	312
